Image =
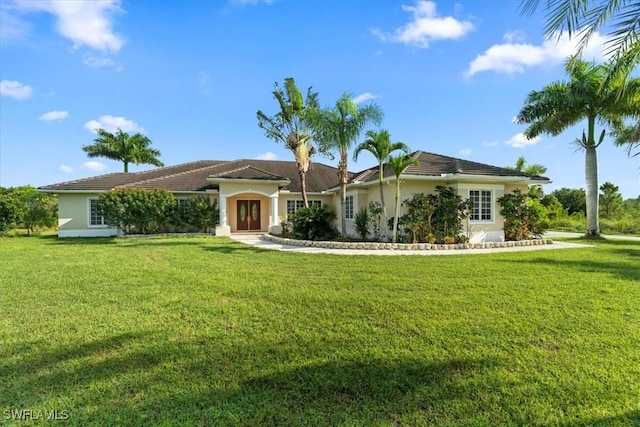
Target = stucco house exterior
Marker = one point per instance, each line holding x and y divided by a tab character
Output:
253	194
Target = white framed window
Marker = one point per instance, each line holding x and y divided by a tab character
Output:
183	203
348	207
482	210
96	217
294	205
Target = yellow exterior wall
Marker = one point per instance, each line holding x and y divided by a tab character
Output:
73	210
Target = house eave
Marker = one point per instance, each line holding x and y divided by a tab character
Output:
452	177
52	191
282	182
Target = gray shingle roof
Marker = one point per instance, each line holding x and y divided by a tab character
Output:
194	176
437	165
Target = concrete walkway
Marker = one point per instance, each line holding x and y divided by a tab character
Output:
560	234
257	241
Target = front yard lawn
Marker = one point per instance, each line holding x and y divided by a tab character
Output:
207	331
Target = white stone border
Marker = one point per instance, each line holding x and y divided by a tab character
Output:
402	246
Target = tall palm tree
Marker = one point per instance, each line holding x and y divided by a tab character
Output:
337	128
290	126
379	144
398	165
562	104
584	18
124	148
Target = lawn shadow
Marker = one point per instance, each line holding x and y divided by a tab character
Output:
139	378
629	419
342	392
628	272
220	245
42	368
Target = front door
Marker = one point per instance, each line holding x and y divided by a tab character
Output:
248	215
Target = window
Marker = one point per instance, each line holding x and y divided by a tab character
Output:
96	218
348	208
183	203
294	205
482	205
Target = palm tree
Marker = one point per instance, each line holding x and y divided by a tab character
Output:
124	148
337	129
521	166
535	191
398	165
379	144
290	126
561	104
629	136
583	18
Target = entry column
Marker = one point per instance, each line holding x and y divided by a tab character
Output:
223	229
274	223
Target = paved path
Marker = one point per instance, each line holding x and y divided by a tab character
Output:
557	234
257	241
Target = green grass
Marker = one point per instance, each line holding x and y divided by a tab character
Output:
207	331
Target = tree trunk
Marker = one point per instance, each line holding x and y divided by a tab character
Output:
126	167
395	218
384	208
342	173
303	186
591	177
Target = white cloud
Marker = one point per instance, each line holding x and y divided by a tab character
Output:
11	26
65	169
54	115
84	22
112	124
100	61
15	89
515	56
425	27
491	144
466	152
514	36
367	96
267	156
519	141
93	166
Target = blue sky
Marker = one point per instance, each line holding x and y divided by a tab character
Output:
450	77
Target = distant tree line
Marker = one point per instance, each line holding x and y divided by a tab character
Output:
24	207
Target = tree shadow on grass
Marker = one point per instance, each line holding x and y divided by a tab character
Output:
628	272
141	379
208	243
629	419
341	392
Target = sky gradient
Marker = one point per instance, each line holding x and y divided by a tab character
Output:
450	77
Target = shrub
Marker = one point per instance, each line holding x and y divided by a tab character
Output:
138	210
199	215
361	220
523	217
375	218
315	223
439	214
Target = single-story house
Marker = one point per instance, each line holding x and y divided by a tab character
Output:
253	194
